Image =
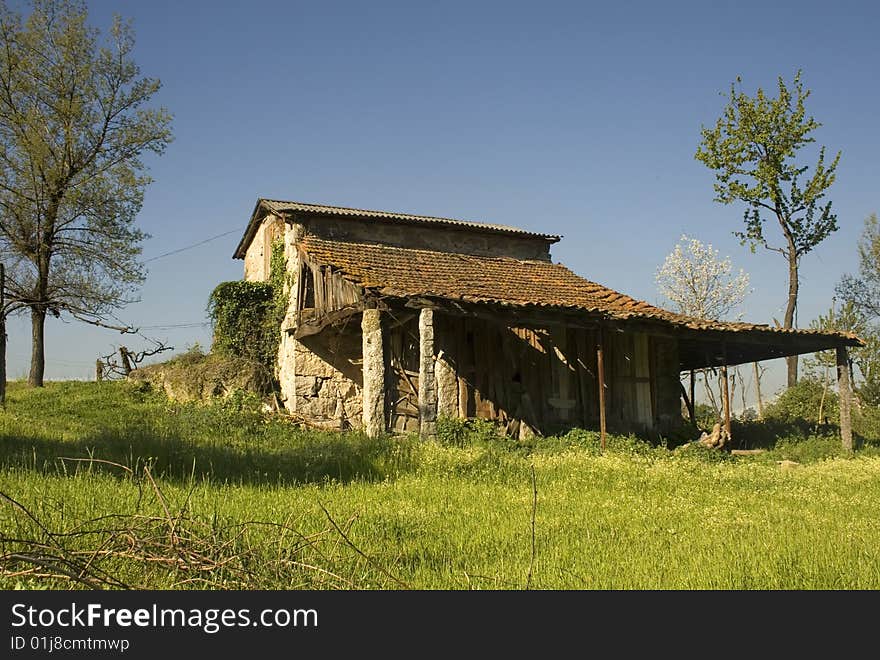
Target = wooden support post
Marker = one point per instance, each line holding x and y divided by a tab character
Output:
844	394
427	382
758	391
693	399
600	367
725	398
99	371
374	373
688	403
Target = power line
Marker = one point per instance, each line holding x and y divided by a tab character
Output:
194	245
173	325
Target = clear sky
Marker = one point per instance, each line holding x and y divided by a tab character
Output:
579	119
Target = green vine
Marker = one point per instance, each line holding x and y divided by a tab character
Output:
247	316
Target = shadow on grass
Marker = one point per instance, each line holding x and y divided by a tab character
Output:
310	457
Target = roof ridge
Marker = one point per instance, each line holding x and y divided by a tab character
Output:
349	210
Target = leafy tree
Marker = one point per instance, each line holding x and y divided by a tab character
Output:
863	291
861	295
73	128
864	360
753	148
699	283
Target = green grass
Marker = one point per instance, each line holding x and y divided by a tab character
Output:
222	497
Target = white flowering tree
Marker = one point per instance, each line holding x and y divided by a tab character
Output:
698	282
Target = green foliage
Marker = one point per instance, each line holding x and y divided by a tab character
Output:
243	316
866	424
250	502
863	290
807	449
802	402
752	149
279	279
74	126
191	356
247	316
452	432
862	294
865	360
705	415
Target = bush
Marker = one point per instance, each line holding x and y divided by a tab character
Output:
243	320
802	402
247	316
866	423
465	432
191	356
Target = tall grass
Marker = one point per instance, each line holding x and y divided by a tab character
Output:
224	497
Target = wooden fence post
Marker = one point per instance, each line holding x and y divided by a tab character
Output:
845	393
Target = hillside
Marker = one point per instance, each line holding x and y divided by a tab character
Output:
113	486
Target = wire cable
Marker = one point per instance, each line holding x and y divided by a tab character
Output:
194	245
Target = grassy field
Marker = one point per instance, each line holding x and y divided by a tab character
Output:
110	486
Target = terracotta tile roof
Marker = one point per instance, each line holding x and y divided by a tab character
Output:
405	272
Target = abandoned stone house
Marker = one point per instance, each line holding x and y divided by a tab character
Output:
396	319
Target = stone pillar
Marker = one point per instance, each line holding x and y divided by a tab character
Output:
427	384
844	393
287	370
374	374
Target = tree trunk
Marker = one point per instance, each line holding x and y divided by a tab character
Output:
38	356
2	335
39	308
791	305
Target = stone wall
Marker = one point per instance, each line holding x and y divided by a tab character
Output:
259	253
327	377
427	237
205	377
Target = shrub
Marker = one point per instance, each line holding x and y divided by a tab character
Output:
247	316
452	431
802	402
463	432
243	320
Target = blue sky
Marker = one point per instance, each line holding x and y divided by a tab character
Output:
580	119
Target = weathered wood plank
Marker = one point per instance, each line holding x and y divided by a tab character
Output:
845	396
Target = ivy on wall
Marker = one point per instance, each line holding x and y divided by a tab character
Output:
247	316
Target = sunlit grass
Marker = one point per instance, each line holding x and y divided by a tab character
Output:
287	508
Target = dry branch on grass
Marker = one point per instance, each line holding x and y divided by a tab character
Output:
176	550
